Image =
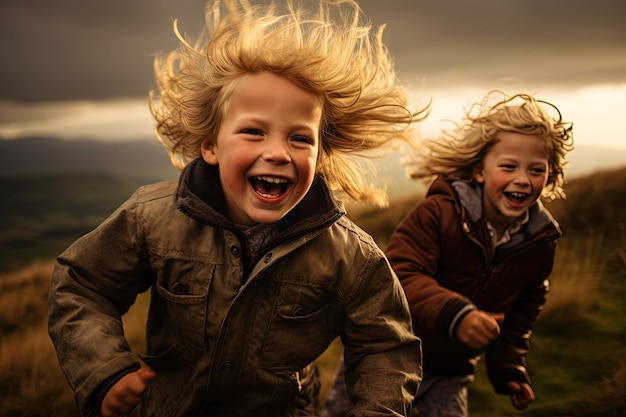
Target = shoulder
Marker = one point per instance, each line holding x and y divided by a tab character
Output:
152	198
434	209
345	240
345	230
541	219
155	191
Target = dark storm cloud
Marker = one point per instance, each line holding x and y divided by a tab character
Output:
546	41
72	49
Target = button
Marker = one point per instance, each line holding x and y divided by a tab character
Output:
180	289
268	257
227	366
235	251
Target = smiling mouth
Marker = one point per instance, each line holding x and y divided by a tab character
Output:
517	197
269	187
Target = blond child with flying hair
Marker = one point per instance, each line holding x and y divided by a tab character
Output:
252	265
474	256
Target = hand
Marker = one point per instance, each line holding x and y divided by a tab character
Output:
479	328
521	394
126	394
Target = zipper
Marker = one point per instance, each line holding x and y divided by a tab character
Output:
484	279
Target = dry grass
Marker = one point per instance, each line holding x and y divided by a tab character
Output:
31	382
574	281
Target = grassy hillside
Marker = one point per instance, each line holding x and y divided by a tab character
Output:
578	351
41	215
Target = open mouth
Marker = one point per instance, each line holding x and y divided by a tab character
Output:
518	198
269	187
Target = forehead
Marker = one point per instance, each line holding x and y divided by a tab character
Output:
267	83
266	92
518	145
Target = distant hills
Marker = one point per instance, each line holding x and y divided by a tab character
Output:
44	156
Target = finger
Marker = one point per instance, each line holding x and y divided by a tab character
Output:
519	402
498	317
115	408
527	392
121	401
138	381
146	374
521	395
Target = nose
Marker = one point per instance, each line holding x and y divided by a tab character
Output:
276	151
522	178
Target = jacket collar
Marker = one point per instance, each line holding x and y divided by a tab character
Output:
470	199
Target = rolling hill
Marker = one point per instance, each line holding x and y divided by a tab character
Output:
38	156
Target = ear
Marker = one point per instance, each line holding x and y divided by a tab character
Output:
208	153
478	174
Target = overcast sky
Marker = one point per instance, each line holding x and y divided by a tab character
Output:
102	50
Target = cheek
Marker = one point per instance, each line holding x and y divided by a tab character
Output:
307	166
495	182
540	183
233	170
491	189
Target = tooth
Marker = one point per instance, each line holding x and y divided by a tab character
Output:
273	180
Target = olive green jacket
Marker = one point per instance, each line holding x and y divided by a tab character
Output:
235	316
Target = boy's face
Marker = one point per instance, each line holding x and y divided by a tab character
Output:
266	148
513	174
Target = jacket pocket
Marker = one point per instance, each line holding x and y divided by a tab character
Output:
182	287
301	327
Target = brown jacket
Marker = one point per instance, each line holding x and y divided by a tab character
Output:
233	318
443	255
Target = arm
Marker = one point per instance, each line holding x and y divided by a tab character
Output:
94	283
414	250
382	355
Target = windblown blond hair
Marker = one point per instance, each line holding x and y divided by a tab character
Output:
331	52
460	151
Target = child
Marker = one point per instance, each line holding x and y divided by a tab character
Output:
253	268
474	256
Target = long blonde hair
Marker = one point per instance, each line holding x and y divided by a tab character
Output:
329	52
459	151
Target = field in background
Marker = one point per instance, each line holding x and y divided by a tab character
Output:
578	352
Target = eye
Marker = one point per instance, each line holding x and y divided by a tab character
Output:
507	167
538	171
302	139
252	131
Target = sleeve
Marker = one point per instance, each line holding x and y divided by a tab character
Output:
414	251
382	355
506	357
94	282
